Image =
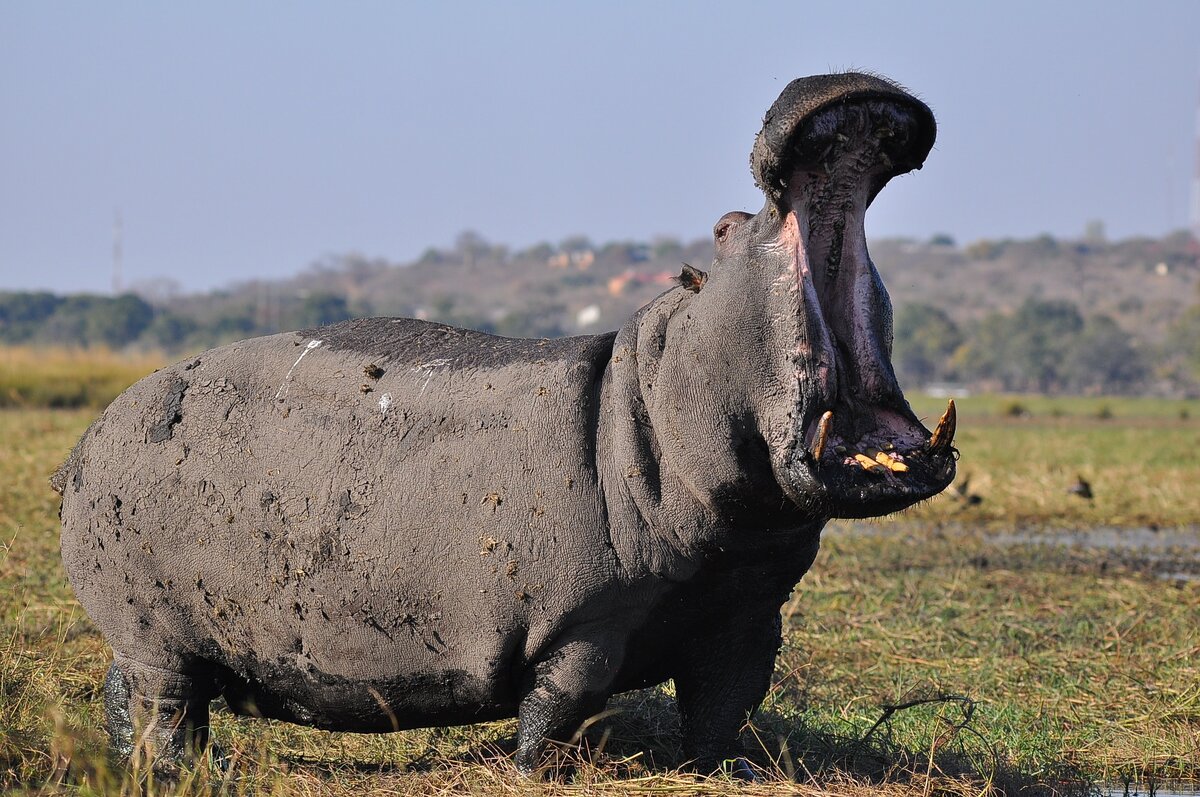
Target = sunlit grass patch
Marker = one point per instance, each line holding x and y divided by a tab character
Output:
1007	405
1075	662
66	378
1140	463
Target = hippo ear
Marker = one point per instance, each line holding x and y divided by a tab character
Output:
692	279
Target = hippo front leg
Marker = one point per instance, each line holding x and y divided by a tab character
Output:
570	684
721	680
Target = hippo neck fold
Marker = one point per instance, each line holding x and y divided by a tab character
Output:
677	500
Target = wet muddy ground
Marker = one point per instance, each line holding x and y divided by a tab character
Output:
1169	553
1150	790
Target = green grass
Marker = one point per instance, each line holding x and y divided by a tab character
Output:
984	407
1141	462
1076	664
1078	669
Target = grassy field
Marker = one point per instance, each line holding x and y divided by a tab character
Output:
68	378
1136	454
1007	667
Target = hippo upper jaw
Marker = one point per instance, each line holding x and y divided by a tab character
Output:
763	391
852	446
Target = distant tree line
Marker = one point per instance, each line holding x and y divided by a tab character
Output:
85	320
1042	347
75	320
965	335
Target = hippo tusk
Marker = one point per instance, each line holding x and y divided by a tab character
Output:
943	435
822	435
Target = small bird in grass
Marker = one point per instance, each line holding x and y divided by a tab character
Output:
1081	488
962	491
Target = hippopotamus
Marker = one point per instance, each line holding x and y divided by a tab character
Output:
387	523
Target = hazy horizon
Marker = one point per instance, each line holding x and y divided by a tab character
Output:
240	143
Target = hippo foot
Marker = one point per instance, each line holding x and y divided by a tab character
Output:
552	764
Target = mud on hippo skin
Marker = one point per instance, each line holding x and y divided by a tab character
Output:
388	523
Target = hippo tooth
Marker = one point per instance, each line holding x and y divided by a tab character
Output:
943	435
822	434
890	462
867	463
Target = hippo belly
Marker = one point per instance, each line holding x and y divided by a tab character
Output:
421	691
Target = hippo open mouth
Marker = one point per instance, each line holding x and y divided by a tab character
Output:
857	448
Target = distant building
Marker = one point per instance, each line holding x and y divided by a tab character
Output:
581	260
617	285
952	390
588	315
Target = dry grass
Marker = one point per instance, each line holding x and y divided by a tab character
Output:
1073	668
1077	664
68	378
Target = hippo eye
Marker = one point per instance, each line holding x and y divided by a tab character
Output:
722	230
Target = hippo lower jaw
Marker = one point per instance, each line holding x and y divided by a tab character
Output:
856	449
858	459
893	465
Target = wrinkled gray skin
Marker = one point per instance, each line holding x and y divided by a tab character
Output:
388	523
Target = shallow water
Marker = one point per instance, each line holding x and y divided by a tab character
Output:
1167	790
1172	554
1146	538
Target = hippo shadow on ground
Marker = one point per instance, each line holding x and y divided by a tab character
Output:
791	744
638	735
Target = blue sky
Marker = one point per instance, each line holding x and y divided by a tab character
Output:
243	140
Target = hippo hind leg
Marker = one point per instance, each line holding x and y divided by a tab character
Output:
567	687
155	716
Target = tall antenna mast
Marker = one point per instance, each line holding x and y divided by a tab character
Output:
117	254
1194	218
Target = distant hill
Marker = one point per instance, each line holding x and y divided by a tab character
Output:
1142	283
1039	314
